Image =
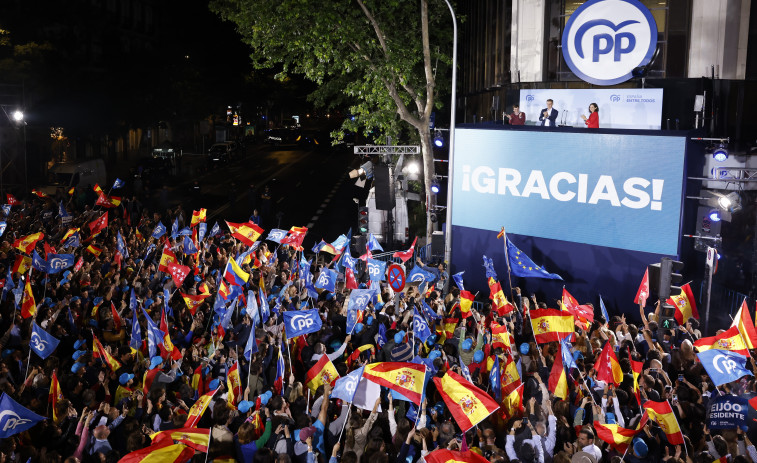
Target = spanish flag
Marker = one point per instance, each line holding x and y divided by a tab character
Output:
246	232
512	404
662	414
162	452
39	194
198	382
551	325
607	366
26	243
619	438
468	404
453	456
234	383
558	380
636	369
194	301
28	305
99	351
449	325
195	413
55	395
686	306
21	264
746	327
198	216
98	190
406	378
500	336
196	438
354	355
728	340
510	377
165	259
322	372
466	301
499	302
71	191
94	250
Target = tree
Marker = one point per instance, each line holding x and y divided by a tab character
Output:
376	52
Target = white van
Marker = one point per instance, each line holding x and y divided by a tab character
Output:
76	174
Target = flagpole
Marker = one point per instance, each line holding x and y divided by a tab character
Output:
210	435
307	404
28	360
624	454
349	412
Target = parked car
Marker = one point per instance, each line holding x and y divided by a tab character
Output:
220	153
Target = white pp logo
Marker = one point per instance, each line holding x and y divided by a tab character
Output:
11	420
605	40
724	364
301	322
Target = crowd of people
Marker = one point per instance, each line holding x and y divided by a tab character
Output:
111	394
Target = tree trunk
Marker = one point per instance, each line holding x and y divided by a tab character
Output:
429	172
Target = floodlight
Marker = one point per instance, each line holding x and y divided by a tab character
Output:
714	215
18	115
438	139
720	153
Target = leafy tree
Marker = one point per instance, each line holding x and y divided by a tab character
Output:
382	54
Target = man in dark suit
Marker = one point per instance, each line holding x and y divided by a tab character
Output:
548	115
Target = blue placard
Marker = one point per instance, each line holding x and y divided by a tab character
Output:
600	189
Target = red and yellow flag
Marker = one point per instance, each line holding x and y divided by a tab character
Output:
323	372
55	395
194	301
196	438
96	226
743	321
198	216
195	413
246	232
512	404
608	367
108	201
728	340
636	369
354	356
499	302
28	305
26	243
22	263
98	190
685	304
558	380
453	456
619	438
449	325
510	377
466	302
39	194
662	414
70	232
584	314
551	325
166	258
500	336
405	378
234	383
99	351
94	250
162	452
468	404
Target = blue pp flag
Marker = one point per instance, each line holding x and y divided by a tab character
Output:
465	370
201	230
567	353
326	280
3	226
458	277
175	228
186	231
118	184
265	311
166	300
495	380
604	309
381	338
252	308
276	235
489	266
121	245
154	335
723	366
348	261
159	230
318	246
38	263
58	262
429	312
359	299
133	301
136	334
252	346
216	230
373	243
15	418
522	266
346	386
62	210
420	327
42	342
73	241
418	275
6	209
189	246
376	269
299	322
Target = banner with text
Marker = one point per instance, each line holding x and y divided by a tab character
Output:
599	189
619	108
727	412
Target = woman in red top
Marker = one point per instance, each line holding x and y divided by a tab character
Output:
592	122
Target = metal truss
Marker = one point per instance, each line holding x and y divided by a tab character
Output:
368	150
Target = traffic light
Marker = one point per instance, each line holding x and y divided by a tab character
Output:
670	277
362	219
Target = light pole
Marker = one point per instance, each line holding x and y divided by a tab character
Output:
451	164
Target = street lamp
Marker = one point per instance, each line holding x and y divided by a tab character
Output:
450	178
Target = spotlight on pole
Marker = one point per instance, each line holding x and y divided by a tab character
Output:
438	139
720	153
714	215
18	115
435	187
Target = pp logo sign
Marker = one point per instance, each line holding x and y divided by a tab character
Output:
529	98
614	98
725	365
38	343
301	322
604	40
10	420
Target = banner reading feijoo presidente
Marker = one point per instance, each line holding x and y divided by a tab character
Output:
618	191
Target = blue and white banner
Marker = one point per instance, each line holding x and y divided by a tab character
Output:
326	280
595	189
42	342
299	322
346	386
14	418
723	366
376	269
418	275
727	412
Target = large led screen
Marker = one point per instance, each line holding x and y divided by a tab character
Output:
618	191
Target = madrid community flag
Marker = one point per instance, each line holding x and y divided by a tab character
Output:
551	325
404	256
686	306
406	378
195	413
746	327
728	340
643	293
619	438
662	414
468	404
323	372
608	367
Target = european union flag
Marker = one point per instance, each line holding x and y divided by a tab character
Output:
159	230
326	280
189	246
723	366
118	184
373	243
346	386
42	342
276	235
418	275
495	380
489	266
15	418
420	327
121	245
299	322
522	266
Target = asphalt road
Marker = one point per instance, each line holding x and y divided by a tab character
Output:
308	188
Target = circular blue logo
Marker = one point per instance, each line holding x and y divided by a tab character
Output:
604	40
